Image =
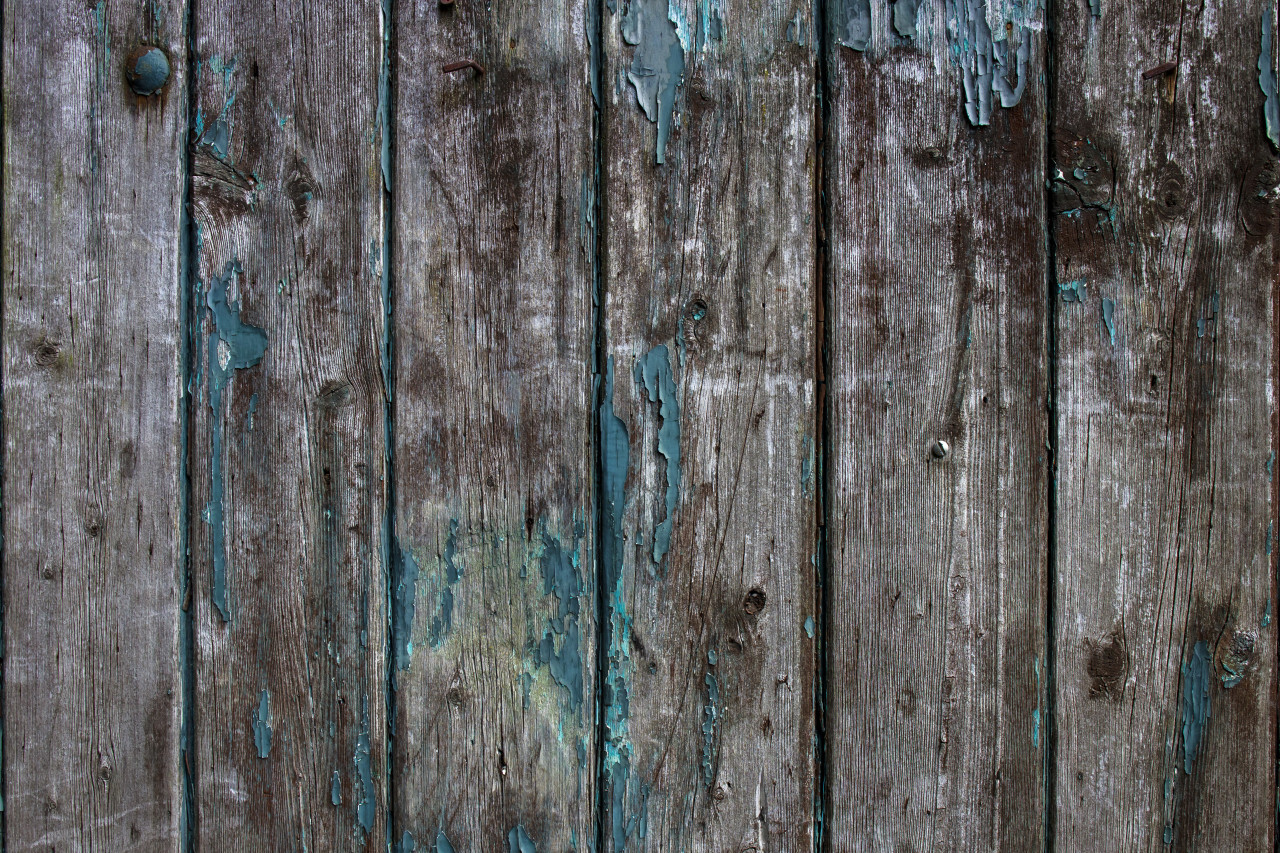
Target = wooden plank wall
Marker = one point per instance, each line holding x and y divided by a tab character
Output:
640	425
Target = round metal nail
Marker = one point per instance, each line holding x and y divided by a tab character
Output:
940	449
147	70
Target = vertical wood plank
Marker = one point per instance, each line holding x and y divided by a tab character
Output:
1164	192
938	427
492	275
93	183
708	425
288	427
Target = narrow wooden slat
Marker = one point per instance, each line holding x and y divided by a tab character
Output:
709	425
939	467
492	276
93	184
288	427
92	383
1164	191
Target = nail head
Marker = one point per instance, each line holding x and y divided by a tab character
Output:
147	70
940	449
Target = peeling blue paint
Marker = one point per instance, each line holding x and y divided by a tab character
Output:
1195	702
1267	79
407	843
1271	529
404	606
1035	714
519	840
904	17
615	450
262	725
443	844
853	23
442	622
986	61
335	789
653	374
809	627
1073	291
1271	463
1266	614
235	345
363	761
1108	318
658	63
560	577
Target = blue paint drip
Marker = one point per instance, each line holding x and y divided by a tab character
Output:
986	61
363	760
262	725
653	374
1073	291
657	65
1195	702
1108	318
1267	79
560	577
335	789
1095	8
404	605
235	345
519	841
904	17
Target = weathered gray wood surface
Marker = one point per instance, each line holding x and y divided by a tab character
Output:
492	275
709	425
93	181
937	323
1164	195
288	427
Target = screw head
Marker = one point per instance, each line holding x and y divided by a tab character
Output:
147	70
940	449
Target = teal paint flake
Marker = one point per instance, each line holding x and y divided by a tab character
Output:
1073	291
710	719
443	844
657	66
1271	463
1266	614
335	789
809	627
407	843
904	17
1195	702
1108	318
519	841
235	345
1267	79
262	725
653	375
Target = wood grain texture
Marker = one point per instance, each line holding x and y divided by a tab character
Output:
1164	191
288	430
711	289
93	384
492	275
937	578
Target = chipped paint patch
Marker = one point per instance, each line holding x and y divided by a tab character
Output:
1195	702
905	13
1267	79
657	67
363	761
519	841
262	725
710	721
853	23
1073	291
653	375
404	605
1108	318
989	62
561	578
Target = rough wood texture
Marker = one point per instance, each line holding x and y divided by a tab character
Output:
288	427
492	276
708	426
92	387
936	650
1164	191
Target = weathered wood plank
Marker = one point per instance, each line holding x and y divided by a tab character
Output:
709	425
93	184
938	427
1164	192
492	278
288	427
